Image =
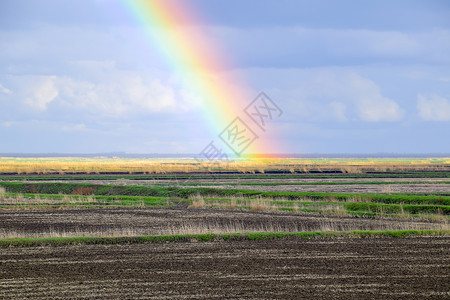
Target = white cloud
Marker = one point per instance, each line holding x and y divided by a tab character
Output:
433	107
370	103
104	91
122	93
41	92
5	90
329	94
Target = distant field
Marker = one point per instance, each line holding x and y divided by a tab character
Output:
271	165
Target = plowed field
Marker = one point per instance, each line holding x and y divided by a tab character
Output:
378	268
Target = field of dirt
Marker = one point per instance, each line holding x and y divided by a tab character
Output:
154	221
378	268
341	268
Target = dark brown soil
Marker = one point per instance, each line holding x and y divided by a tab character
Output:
151	221
379	268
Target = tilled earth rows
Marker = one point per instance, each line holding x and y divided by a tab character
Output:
378	268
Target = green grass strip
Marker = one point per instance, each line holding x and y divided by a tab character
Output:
64	241
376	198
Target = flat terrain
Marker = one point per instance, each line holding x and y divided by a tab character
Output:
60	205
377	268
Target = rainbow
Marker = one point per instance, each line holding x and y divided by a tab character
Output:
197	60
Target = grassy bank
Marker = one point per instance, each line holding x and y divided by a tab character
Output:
217	237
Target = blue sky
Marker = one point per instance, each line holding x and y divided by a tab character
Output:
350	76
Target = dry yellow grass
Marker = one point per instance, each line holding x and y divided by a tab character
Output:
202	227
197	201
259	205
106	232
335	210
251	165
19	199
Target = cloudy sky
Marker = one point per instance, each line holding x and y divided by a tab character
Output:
350	76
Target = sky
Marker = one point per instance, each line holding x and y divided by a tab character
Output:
349	76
